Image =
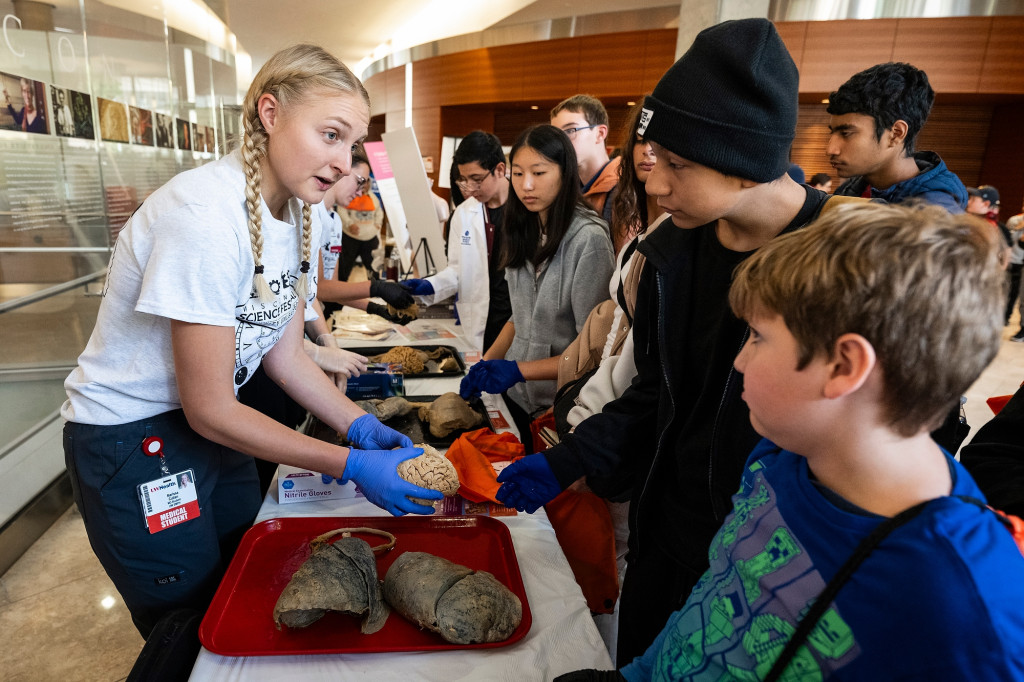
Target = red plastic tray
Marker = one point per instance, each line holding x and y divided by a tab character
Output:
240	619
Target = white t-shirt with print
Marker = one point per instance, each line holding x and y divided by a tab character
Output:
330	244
185	255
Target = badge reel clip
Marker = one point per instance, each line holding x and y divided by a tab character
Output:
154	447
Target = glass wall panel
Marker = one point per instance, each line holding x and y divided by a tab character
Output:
97	113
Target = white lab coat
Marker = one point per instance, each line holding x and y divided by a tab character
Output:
466	274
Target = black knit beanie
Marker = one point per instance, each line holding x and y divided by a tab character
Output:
729	103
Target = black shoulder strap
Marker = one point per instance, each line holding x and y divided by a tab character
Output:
620	295
828	595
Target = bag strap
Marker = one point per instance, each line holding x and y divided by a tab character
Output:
1014	524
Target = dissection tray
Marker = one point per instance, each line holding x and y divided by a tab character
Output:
240	619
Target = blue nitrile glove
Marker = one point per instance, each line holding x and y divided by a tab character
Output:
376	474
491	376
419	287
392	292
528	484
368	433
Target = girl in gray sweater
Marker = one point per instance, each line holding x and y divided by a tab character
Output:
558	258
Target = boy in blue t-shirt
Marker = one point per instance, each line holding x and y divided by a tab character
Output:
863	327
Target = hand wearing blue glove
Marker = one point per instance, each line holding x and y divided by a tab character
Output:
368	433
491	376
376	474
419	287
528	484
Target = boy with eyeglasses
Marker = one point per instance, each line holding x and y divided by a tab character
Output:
482	302
584	119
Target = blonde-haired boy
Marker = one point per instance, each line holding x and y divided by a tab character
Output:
863	327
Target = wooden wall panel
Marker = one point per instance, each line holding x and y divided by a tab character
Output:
508	124
461	81
460	121
949	50
619	76
793	34
376	87
395	84
428	76
811	137
500	76
552	69
835	50
659	54
957	133
1001	167
426	121
1003	67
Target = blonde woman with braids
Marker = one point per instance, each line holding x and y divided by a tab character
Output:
209	279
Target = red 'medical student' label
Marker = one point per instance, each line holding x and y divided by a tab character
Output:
169	501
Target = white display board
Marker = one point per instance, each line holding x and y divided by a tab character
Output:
421	224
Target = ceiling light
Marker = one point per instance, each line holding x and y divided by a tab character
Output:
630	104
534	107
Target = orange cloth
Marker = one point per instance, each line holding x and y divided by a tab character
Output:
472	454
363	202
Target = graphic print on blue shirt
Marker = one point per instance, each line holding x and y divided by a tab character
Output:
736	622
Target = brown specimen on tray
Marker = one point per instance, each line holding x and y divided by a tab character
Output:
386	409
339	576
449	413
462	605
430	470
416	361
412	361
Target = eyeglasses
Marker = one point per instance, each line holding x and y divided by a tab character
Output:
360	180
571	132
471	184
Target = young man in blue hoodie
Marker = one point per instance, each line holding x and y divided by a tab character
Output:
875	119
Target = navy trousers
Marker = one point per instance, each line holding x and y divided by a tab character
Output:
181	566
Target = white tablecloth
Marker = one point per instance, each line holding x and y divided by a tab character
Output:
563	636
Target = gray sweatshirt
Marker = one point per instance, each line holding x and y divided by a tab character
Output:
549	311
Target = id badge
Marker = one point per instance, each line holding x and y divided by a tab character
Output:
170	500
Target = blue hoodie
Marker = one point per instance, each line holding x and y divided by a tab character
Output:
934	184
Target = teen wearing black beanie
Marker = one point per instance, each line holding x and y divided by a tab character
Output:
722	120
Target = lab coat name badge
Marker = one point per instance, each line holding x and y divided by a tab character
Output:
170	500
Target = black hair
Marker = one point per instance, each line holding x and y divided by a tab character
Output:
819	179
453	176
520	234
890	92
479	147
629	200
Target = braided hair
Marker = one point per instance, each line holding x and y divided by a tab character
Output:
289	75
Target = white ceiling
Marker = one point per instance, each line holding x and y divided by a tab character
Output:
352	29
